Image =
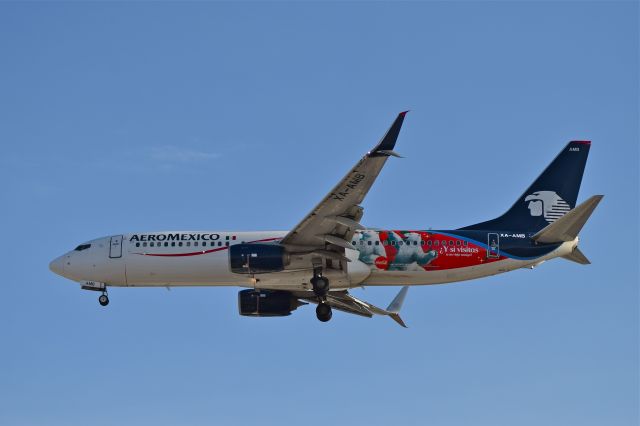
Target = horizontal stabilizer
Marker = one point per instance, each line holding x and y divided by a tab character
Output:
567	227
577	256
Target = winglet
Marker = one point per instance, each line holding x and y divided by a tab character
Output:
388	142
396	304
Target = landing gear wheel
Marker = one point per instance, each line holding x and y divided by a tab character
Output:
323	312
320	284
103	300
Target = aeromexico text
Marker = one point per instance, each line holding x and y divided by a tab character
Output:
174	237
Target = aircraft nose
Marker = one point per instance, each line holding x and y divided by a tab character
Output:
57	265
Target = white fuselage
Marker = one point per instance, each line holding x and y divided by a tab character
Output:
202	259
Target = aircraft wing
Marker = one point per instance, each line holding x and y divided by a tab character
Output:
333	221
343	301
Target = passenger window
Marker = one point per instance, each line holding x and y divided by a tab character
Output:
361	243
137	244
415	243
180	243
226	238
227	244
458	242
195	244
450	242
151	244
377	243
464	243
144	244
429	243
422	242
385	243
353	243
436	243
369	243
219	243
400	243
173	244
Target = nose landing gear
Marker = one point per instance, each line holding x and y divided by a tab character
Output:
321	288
103	299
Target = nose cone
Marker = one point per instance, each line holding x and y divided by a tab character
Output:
57	265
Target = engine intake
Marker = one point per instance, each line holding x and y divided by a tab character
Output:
257	258
267	303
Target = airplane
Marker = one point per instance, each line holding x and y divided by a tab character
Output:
329	252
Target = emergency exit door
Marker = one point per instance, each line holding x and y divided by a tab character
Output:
115	248
493	242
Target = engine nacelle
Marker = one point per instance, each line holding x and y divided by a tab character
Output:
257	258
266	303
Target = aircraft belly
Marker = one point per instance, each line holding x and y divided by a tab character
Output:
444	276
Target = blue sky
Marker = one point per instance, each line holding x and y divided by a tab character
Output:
119	117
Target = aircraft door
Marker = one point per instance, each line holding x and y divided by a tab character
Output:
493	241
115	248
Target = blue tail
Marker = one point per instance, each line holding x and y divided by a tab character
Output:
552	195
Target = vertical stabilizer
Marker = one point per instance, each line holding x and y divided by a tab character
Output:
550	196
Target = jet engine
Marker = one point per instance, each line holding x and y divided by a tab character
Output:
257	258
267	303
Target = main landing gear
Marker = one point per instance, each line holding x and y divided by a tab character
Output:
320	286
323	311
103	299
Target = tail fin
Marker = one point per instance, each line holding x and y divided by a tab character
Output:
550	196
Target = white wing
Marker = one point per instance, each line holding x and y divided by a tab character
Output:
330	225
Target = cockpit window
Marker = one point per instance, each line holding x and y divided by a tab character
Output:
82	247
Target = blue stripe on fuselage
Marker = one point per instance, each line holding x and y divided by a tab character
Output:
530	251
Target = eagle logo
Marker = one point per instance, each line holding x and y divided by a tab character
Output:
548	204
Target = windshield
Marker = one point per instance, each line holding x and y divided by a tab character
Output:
82	247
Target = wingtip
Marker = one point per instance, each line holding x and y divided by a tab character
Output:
397	319
403	113
388	141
